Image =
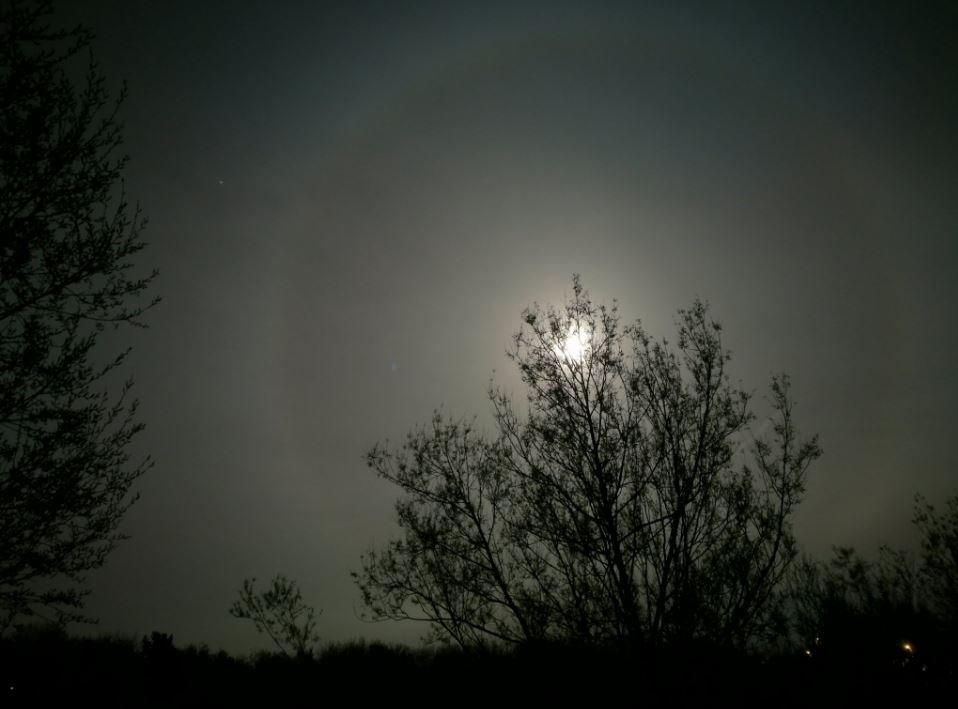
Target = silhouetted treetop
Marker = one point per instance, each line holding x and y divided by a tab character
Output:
628	501
280	613
68	238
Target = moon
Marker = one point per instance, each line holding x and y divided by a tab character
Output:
576	343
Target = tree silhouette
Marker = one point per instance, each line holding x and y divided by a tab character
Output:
898	606
851	607
67	239
939	558
280	613
626	502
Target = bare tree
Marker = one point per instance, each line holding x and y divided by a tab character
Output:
67	241
894	604
280	613
939	557
627	502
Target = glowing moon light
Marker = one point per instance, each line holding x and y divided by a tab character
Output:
576	343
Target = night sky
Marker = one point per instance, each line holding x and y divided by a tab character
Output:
350	205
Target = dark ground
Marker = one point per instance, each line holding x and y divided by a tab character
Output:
43	667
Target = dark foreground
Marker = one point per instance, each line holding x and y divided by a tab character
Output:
39	668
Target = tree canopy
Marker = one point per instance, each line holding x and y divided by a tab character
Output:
627	500
68	238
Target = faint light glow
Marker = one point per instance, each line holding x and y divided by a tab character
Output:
808	653
907	647
576	343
